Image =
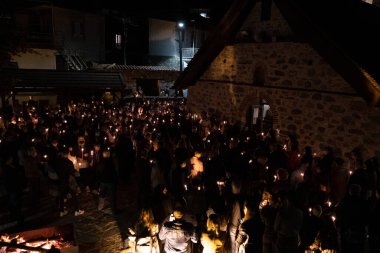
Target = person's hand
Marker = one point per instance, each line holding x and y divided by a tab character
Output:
131	231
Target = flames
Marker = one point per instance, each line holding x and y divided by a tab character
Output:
17	240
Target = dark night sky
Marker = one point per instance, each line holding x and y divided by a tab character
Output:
350	23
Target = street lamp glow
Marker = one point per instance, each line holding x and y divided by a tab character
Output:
181	24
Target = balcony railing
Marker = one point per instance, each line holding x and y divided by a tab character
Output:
189	52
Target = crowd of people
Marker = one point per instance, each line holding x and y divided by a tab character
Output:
204	184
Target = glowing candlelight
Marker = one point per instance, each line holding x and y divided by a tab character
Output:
92	152
299	155
333	218
82	152
302	174
199	188
185	186
250	161
275	177
45	156
329	203
310	209
350	172
267	167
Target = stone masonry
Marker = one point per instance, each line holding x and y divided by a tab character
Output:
306	95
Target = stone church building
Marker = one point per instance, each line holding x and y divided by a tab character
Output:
270	64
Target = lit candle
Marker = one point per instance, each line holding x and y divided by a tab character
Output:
333	218
310	209
82	152
185	186
275	177
328	203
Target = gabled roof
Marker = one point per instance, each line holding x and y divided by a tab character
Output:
356	76
114	67
73	81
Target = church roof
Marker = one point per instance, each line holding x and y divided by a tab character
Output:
359	75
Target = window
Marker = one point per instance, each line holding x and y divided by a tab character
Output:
77	30
118	41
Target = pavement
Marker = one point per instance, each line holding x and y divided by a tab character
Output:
95	231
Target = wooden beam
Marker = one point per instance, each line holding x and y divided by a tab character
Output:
221	36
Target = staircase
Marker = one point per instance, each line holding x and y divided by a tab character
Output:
73	60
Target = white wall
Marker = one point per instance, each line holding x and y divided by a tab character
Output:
162	38
36	59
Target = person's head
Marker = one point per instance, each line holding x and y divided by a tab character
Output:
308	150
266	196
54	142
106	154
198	154
235	186
146	216
283	199
178	212
81	141
213	223
249	207
354	190
282	174
65	152
97	147
317	210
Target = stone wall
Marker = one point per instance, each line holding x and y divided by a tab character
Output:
306	96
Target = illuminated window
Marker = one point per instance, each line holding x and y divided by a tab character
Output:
118	40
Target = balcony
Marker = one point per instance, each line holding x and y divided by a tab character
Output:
188	53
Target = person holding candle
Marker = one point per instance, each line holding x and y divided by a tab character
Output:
67	182
178	233
213	240
353	219
235	206
288	224
268	211
246	241
107	176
